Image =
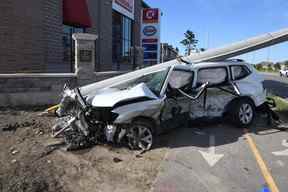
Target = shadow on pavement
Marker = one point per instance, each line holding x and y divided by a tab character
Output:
198	133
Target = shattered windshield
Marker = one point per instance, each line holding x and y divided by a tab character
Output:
154	81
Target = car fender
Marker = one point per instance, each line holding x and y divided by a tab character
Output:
256	94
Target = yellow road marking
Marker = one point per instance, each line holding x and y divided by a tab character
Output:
265	172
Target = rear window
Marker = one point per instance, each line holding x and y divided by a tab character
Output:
239	72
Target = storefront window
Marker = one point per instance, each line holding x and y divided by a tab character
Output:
69	44
122	39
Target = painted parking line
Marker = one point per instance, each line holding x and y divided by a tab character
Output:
261	163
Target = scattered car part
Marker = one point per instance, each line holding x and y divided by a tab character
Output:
272	116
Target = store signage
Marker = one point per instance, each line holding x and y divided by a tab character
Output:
125	7
150	35
150	47
149	30
150	15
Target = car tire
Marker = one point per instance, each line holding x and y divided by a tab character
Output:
243	113
140	135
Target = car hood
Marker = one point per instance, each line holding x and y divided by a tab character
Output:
110	97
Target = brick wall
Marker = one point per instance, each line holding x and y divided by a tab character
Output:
30	36
40	89
20	34
33	90
52	29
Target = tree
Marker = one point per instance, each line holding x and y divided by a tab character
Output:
259	67
277	66
190	42
269	67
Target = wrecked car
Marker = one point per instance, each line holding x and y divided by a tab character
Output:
138	109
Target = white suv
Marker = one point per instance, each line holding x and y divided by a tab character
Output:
143	107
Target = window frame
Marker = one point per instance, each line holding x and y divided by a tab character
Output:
165	86
123	41
249	72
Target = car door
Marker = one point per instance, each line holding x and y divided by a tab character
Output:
217	95
175	111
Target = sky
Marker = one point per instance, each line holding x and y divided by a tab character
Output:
220	22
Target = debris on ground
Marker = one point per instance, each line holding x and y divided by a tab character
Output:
14	152
32	161
117	160
14	161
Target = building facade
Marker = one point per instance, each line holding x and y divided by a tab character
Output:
36	35
168	52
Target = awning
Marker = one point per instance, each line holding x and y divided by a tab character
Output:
76	13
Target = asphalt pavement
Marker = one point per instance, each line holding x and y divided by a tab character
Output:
217	157
222	158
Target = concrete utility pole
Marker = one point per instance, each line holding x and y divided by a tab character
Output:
218	54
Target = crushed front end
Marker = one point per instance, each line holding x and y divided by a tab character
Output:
82	125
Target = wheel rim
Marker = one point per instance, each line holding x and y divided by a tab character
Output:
246	113
140	137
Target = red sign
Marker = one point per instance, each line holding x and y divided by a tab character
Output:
149	40
126	4
150	15
150	35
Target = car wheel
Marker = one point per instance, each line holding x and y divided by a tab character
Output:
140	136
243	113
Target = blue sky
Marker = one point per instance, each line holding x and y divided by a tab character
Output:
220	22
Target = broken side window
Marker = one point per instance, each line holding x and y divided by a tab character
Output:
239	72
214	76
179	79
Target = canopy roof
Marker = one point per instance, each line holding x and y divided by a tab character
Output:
76	13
